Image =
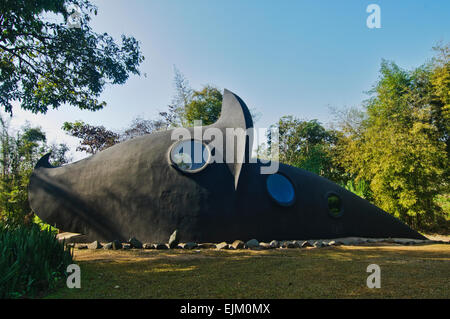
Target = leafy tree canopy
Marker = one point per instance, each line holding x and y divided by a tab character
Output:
205	106
305	144
93	138
140	126
175	115
401	144
189	105
45	63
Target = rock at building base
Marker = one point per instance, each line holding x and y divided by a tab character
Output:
135	243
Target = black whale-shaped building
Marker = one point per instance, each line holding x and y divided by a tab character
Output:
149	186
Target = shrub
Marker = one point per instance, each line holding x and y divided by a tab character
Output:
31	261
360	188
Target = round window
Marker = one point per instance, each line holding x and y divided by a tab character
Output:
280	189
190	155
334	205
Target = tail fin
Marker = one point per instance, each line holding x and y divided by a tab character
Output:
44	162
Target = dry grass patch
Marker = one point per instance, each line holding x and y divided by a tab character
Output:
333	272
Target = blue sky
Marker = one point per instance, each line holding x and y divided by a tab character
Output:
282	57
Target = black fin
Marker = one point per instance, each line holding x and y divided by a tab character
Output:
235	114
44	161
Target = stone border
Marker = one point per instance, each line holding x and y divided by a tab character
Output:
254	244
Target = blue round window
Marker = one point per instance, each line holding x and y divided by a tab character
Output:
281	189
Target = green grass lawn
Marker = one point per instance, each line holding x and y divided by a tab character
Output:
333	272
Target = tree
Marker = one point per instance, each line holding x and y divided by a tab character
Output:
93	138
306	144
19	154
440	93
59	155
401	143
190	105
175	115
97	138
140	126
45	64
205	106
187	106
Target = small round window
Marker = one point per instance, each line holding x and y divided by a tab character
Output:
335	208
190	155
281	189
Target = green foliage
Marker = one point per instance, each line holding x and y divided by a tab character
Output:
44	226
19	154
360	188
400	144
31	261
443	201
175	115
440	93
190	105
93	138
187	106
45	62
305	144
205	106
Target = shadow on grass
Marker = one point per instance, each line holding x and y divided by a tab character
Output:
338	272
